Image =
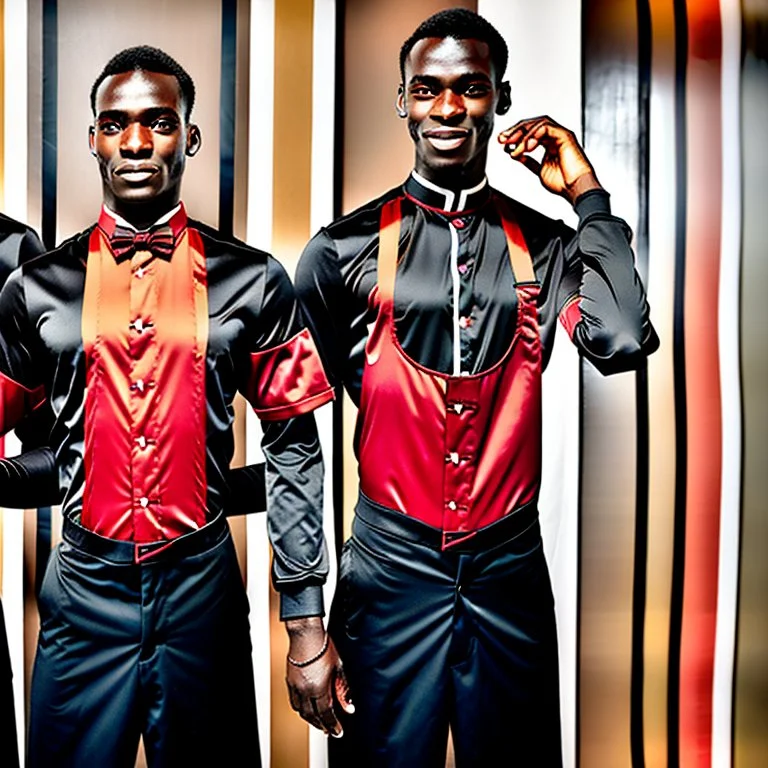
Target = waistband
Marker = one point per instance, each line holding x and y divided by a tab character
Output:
408	528
122	552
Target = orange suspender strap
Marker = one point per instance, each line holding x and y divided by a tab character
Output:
389	240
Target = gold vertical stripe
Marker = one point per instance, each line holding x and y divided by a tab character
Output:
292	155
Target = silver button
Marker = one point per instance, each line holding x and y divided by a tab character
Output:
452	505
458	407
139	384
144	501
142	441
140	272
454	457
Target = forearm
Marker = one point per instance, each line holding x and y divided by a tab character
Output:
613	327
294	482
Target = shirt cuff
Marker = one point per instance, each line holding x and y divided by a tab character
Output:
591	202
301	602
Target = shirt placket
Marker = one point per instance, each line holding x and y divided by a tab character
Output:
461	447
143	394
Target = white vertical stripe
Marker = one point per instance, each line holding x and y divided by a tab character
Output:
321	214
15	121
456	280
261	124
728	341
13	599
323	101
551	85
259	234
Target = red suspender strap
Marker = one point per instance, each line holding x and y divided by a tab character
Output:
519	256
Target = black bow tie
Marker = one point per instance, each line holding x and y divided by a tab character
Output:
125	242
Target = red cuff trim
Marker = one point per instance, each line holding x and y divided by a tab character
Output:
15	401
570	315
296	409
288	380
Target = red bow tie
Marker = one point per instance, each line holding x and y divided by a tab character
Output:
125	242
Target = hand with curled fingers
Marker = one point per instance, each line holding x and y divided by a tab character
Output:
315	676
564	168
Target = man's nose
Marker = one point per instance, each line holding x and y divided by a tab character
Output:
136	139
449	104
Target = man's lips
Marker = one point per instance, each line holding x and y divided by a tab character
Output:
136	174
446	139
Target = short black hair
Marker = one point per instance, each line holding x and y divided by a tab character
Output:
145	58
460	24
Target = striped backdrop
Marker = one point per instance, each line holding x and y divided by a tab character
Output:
653	503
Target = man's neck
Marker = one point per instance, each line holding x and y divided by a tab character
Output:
143	220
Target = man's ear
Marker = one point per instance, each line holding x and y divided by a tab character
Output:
505	99
194	140
400	102
92	139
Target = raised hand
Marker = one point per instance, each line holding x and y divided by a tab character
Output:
564	169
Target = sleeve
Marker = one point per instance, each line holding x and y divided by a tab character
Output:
30	480
603	302
21	389
285	376
326	305
30	247
294	482
285	383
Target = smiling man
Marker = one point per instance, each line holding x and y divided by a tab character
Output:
436	306
138	332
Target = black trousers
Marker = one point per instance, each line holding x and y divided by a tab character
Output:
429	639
159	648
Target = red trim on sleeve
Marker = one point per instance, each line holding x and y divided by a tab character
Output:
15	401
287	380
570	315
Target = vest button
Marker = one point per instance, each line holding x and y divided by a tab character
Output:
452	506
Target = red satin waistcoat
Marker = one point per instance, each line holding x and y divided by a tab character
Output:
456	452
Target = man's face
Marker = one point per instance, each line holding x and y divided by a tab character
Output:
141	139
450	97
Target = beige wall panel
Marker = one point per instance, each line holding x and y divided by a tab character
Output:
190	31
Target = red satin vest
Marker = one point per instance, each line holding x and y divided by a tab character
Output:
456	452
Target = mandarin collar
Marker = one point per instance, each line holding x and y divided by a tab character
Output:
430	195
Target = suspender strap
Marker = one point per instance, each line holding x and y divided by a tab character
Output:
519	256
389	238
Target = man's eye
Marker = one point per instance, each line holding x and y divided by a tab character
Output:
422	92
477	89
110	128
163	125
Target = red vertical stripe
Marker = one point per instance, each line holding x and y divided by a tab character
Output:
702	382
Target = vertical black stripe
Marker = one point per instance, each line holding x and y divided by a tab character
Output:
338	190
48	229
642	472
227	116
50	117
681	413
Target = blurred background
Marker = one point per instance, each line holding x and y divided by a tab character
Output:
654	500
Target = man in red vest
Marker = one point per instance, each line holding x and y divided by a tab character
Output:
435	306
138	332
